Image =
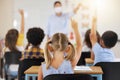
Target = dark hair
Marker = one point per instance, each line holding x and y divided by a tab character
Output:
11	40
35	36
109	38
57	2
87	38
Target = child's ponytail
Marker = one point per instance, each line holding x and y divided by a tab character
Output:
71	53
48	57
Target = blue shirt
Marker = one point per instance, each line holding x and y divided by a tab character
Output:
64	68
102	54
58	24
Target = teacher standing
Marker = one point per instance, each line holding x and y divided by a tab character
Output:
59	21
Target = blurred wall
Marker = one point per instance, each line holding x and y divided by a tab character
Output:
6	16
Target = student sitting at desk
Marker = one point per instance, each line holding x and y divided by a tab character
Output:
34	37
88	42
102	51
13	44
60	55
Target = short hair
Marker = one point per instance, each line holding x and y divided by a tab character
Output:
57	2
87	38
109	38
35	36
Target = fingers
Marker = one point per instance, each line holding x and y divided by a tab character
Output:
74	24
21	11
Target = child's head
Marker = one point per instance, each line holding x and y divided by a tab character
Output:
35	36
87	38
59	43
11	39
109	39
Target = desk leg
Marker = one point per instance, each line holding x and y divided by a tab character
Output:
99	76
26	77
33	77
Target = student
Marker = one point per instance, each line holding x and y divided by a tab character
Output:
60	55
59	21
34	37
87	41
14	43
102	51
14	39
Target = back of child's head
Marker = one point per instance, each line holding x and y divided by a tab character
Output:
87	38
109	38
11	39
59	42
35	36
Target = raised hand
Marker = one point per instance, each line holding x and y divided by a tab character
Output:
74	24
21	11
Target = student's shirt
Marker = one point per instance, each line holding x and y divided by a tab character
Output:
58	24
102	54
19	45
20	40
33	52
64	68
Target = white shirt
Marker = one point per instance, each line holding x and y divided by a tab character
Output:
58	24
102	54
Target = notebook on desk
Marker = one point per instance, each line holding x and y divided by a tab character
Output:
84	68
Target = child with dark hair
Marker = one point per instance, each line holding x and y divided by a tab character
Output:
102	51
14	38
34	37
87	38
14	44
88	43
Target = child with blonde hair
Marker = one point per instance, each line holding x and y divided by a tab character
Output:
60	55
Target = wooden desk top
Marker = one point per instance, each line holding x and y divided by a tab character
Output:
95	70
32	70
89	61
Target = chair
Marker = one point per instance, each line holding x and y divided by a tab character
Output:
68	77
11	58
82	58
1	67
27	63
111	70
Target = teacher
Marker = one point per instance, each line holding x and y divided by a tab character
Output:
58	22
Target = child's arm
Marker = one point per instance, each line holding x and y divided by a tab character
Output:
77	8
93	36
22	21
78	42
40	76
21	35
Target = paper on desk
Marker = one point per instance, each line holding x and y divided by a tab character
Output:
86	68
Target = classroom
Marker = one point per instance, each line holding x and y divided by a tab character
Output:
59	39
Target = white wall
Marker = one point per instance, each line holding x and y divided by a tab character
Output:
6	16
39	10
109	16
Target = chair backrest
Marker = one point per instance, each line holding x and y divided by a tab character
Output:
12	57
68	77
82	58
111	70
27	63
